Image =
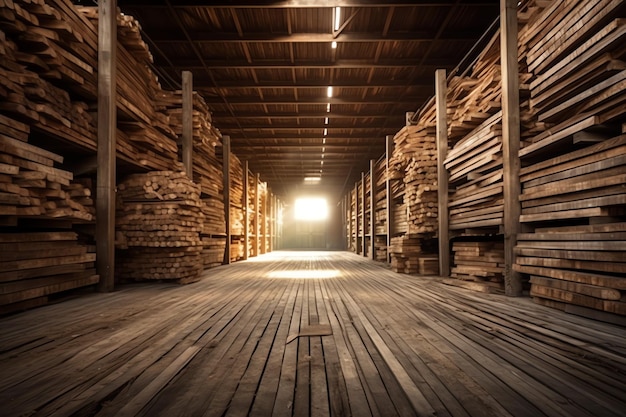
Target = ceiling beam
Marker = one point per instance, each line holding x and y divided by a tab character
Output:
297	4
195	65
307	124
413	101
224	116
165	38
352	83
368	136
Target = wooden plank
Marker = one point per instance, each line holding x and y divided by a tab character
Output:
574	276
227	195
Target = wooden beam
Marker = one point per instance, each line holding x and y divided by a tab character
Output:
442	173
272	221
246	214
372	202
389	197
257	223
263	219
363	225
510	142
226	173
357	203
107	130
291	4
187	138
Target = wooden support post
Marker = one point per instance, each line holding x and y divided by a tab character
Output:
188	123
345	221
272	221
442	173
257	209
510	142
372	209
246	214
107	130
357	203
349	220
363	225
264	223
389	196
226	172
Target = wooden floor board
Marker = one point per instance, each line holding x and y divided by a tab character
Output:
242	341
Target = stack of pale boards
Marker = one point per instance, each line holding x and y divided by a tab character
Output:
412	254
158	228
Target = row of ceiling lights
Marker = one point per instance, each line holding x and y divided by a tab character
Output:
329	94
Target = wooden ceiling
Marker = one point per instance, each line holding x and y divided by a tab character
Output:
264	68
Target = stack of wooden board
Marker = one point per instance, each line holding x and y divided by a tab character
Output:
35	265
414	254
43	58
159	220
380	198
145	136
31	185
474	165
479	262
573	194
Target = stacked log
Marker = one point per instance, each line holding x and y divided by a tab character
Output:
573	195
158	225
36	265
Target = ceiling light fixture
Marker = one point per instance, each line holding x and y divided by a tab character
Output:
334	45
326	121
325	131
324	140
337	17
327	107
321	162
329	92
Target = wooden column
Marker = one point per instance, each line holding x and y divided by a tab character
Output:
357	203
272	222
246	214
442	173
389	196
510	142
349	219
372	209
363	225
107	129
226	172
264	223
188	123
257	222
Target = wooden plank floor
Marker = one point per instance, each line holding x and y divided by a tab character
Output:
400	345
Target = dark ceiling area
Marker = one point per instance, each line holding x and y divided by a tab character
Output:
265	68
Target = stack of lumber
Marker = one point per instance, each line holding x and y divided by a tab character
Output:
583	186
573	196
474	165
420	176
579	265
35	265
159	220
44	58
413	254
31	185
145	137
380	254
212	250
479	262
237	248
352	244
236	196
474	98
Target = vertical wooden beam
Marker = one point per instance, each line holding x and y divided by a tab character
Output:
257	215
346	217
272	222
389	196
246	214
363	225
107	129
357	203
442	173
264	222
349	217
227	182
372	209
188	123
510	142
